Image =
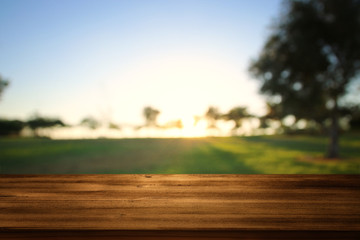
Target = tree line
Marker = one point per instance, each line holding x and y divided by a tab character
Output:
274	118
306	68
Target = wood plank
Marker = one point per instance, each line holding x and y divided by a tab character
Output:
180	235
180	203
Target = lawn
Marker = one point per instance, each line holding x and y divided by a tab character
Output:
240	155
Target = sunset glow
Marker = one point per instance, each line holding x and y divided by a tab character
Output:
191	128
110	59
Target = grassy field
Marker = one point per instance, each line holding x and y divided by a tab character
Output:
240	155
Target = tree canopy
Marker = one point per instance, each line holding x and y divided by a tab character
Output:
212	115
311	56
237	114
151	115
90	122
37	122
11	127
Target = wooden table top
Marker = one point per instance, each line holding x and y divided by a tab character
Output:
180	202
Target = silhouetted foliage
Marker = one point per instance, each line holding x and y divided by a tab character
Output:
3	84
114	126
355	117
151	115
310	58
90	122
212	115
237	114
38	122
11	127
274	111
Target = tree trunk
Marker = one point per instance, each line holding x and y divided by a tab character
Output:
333	151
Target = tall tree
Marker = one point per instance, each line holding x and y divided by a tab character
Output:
311	56
151	115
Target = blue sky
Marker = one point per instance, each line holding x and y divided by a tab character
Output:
109	59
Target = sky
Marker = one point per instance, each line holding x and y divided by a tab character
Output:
109	59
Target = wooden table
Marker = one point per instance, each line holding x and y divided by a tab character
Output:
180	206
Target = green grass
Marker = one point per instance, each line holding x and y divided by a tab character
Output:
240	155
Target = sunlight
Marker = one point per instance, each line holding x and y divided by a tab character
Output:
188	122
191	128
180	83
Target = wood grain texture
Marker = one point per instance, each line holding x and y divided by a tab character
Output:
179	235
180	203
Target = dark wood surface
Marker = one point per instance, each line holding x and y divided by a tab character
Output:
206	205
180	235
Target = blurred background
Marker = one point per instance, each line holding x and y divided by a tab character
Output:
115	86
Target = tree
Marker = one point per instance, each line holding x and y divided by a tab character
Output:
3	84
114	126
90	122
212	115
355	117
237	114
11	127
37	122
310	58
151	115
